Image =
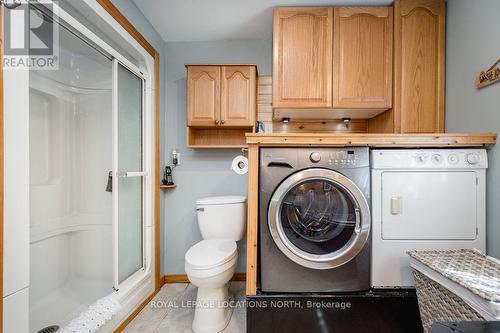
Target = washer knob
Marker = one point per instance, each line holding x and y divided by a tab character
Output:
472	158
315	157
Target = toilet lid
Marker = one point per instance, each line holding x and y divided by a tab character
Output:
211	252
221	200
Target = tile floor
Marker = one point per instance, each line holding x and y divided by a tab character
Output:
170	311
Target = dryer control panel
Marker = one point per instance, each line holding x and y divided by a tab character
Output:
429	159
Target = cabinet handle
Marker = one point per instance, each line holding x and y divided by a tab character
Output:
216	122
222	122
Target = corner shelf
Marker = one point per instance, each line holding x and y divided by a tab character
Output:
167	187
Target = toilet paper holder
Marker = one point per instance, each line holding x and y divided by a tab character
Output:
240	164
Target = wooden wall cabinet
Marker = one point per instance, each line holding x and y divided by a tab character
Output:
302	57
337	58
221	105
238	96
419	66
203	95
362	57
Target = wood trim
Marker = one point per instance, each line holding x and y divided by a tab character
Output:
239	277
441	79
252	217
368	139
396	74
129	27
175	278
134	313
182	278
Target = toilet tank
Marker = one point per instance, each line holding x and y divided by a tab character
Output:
222	217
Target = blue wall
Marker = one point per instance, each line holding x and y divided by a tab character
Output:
203	172
472	46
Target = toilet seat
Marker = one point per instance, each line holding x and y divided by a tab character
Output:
211	257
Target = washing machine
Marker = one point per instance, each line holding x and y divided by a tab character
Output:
314	220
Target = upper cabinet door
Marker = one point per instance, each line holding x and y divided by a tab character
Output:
302	57
203	95
419	66
239	85
362	58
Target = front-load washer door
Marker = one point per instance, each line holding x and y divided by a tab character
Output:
319	218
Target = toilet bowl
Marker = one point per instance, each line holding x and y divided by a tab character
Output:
211	263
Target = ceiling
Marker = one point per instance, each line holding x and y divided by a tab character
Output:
208	20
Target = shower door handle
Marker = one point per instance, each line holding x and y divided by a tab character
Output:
128	174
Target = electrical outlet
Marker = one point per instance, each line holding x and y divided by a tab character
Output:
176	157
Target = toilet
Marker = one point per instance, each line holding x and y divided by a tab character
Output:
211	263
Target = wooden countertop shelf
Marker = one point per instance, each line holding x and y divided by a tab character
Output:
167	187
255	141
436	140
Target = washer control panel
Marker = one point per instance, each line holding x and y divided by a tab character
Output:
338	157
430	158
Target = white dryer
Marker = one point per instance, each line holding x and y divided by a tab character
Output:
424	199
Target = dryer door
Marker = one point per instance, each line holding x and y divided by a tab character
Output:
319	218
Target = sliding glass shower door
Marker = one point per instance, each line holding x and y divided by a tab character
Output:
129	168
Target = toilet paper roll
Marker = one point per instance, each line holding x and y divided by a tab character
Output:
240	165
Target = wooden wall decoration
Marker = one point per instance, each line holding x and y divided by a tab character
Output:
488	77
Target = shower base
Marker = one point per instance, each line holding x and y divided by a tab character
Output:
65	303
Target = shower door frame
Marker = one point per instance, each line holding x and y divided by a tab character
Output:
143	173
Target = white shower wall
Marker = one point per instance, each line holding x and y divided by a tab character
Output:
70	211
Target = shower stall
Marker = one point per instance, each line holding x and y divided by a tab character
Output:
89	178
